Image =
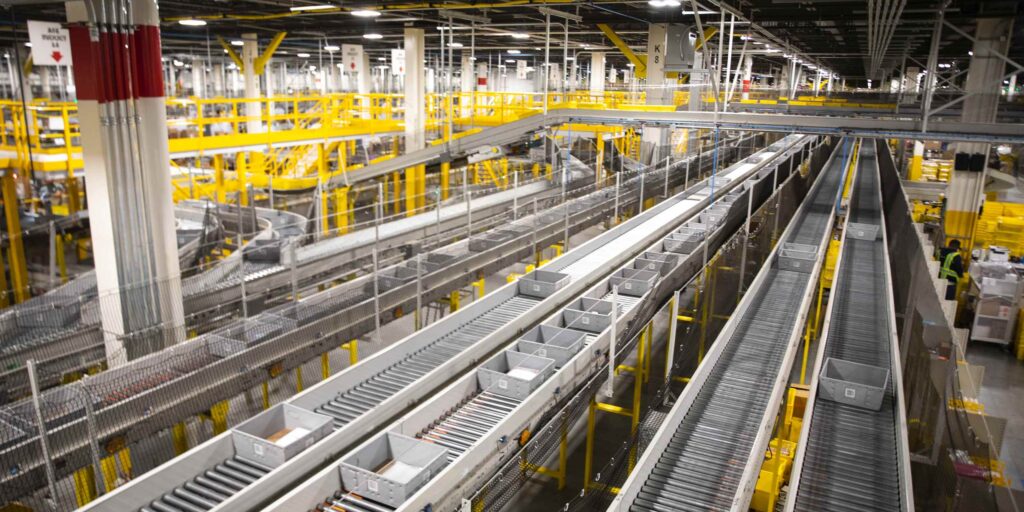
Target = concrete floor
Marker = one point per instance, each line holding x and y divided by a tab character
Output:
1002	393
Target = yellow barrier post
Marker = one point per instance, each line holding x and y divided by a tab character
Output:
353	351
266	395
298	379
453	301
479	286
325	364
179	436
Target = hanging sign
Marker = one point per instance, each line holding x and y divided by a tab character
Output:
398	61
50	44
352	57
522	70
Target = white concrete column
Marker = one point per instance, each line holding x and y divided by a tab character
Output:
250	51
468	81
613	75
365	76
44	78
218	79
198	78
415	89
131	214
964	194
1011	87
597	72
748	75
655	140
911	85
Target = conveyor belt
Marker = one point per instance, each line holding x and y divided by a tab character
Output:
370	392
703	462
351	404
471	421
215	485
850	459
458	429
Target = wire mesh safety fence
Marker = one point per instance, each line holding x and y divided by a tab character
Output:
227	359
954	463
708	299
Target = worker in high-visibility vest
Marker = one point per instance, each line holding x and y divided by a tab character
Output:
952	267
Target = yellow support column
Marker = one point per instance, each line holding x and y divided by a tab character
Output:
325	365
396	181
916	162
266	395
85	486
446	169
421	187
179	435
479	286
15	247
410	191
341	209
241	174
218	178
298	379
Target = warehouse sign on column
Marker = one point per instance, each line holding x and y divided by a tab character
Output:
50	44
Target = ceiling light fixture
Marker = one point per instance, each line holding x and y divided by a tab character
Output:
513	52
192	22
510	61
237	42
373	35
382	59
365	13
332	48
302	55
664	3
520	35
321	7
690	13
456	45
29	45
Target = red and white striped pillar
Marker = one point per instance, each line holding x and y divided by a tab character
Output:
118	73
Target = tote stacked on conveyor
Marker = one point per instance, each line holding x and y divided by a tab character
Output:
701	457
852	454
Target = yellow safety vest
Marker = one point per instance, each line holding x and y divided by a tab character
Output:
947	270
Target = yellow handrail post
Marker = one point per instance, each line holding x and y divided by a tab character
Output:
15	246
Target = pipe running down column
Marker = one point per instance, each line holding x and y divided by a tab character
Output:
115	47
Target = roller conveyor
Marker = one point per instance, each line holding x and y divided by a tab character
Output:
703	456
852	458
517	385
404	373
372	391
211	487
